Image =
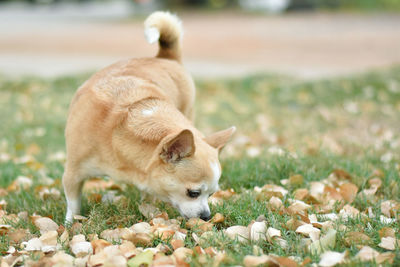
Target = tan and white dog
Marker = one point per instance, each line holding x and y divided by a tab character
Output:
132	122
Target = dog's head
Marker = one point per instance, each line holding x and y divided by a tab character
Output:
185	170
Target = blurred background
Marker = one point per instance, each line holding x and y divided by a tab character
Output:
223	38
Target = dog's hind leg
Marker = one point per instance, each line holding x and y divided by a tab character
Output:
72	182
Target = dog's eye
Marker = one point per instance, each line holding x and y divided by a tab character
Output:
193	193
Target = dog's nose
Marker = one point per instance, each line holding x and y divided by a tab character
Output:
205	216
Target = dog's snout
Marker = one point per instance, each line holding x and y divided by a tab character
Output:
205	215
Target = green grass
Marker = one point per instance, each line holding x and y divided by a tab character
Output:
348	123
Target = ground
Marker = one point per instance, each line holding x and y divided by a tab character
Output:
305	151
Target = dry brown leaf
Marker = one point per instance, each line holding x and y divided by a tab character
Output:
309	231
164	233
258	231
348	191
52	194
356	238
99	245
140	239
149	211
61	259
386	257
117	234
181	254
348	212
285	262
298	207
128	249
33	244
141	228
332	194
390	208
224	194
317	190
325	242
275	203
22	182
272	234
386	232
271	190
293	223
4	229
18	235
218	218
367	254
296	180
331	258
197	223
79	246
176	243
301	193
238	231
163	261
45	224
49	238
389	243
264	260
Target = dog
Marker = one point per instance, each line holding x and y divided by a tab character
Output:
132	121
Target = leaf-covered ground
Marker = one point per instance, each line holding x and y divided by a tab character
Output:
311	177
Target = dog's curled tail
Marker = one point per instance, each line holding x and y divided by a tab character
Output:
165	28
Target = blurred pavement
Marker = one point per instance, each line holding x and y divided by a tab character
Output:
308	45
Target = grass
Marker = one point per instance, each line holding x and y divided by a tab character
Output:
286	127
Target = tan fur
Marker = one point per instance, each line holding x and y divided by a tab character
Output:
132	122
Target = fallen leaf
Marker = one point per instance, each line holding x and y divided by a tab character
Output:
264	260
80	247
356	238
367	254
99	245
325	242
275	203
301	193
141	228
348	191
4	229
22	182
62	259
296	180
239	232
309	230
33	244
197	223
272	234
176	243
386	257
181	255
271	190
386	232
389	243
298	207
390	208
331	258
258	231
45	224
149	211
217	218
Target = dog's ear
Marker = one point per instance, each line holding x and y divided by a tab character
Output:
219	139
177	147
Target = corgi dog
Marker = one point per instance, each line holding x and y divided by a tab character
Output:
132	121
